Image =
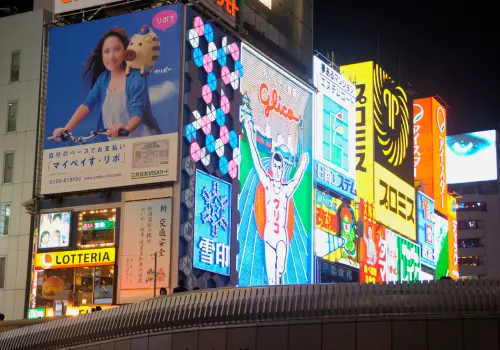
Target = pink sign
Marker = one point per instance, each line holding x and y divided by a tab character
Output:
164	20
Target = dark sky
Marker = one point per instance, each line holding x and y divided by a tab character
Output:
443	47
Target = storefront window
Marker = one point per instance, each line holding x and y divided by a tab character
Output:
50	283
96	228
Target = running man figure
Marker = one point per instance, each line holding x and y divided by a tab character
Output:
277	196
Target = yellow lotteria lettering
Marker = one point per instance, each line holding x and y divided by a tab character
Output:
75	258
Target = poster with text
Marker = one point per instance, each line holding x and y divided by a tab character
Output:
113	102
276	182
146	231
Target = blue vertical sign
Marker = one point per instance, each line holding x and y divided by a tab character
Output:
425	229
212	242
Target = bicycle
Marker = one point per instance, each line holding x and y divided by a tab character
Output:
66	135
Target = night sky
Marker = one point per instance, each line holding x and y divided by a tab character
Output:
444	48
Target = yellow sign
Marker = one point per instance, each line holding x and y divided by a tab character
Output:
394	202
362	75
75	258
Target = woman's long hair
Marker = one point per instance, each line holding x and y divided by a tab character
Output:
94	65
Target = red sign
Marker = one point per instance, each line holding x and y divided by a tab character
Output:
230	6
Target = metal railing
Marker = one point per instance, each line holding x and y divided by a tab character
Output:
250	305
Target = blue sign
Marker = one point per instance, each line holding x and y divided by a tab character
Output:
335	181
425	229
212	224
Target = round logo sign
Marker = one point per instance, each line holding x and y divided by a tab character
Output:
46	261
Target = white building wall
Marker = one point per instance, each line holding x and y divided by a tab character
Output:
22	32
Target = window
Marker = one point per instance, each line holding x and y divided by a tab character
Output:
472	206
12	116
470	224
3	262
4	219
469	243
268	3
8	167
335	140
15	65
469	261
96	228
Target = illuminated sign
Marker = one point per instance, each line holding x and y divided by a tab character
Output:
225	9
335	124
362	73
61	6
403	259
425	228
439	149
38	312
334	180
54	230
441	246
471	157
275	200
395	202
98	225
393	142
452	238
212	222
75	258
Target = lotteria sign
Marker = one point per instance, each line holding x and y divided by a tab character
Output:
75	258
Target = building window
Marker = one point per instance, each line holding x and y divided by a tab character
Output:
468	261
472	206
335	127
3	262
96	228
268	3
4	219
469	243
470	224
12	116
15	65
8	167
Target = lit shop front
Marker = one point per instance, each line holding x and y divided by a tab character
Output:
74	263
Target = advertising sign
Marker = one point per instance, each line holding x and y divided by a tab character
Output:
403	258
147	230
362	73
335	128
276	176
113	102
75	258
395	202
335	230
372	248
441	246
439	151
225	9
38	312
212	222
334	180
393	127
466	153
55	229
425	229
453	237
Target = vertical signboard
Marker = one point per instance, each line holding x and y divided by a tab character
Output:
372	248
276	195
403	258
441	246
212	222
439	151
452	237
425	229
146	231
362	75
113	102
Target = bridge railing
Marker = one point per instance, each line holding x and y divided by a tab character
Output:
241	305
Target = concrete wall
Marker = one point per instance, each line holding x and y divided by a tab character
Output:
22	33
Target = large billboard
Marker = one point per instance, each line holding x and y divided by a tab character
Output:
452	237
429	149
467	153
395	202
113	102
393	126
334	130
425	229
441	246
275	238
362	74
372	247
403	258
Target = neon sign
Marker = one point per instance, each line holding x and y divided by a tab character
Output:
272	101
230	6
98	225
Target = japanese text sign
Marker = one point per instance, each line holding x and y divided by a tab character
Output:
425	228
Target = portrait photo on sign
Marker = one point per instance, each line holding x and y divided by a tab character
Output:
54	230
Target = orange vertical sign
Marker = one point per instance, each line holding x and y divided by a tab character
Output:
439	151
422	144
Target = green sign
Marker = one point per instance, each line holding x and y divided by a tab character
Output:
409	260
36	313
98	225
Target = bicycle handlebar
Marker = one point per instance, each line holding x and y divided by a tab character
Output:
67	135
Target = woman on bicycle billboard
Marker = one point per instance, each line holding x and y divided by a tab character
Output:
113	80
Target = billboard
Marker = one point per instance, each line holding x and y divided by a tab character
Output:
113	102
395	202
362	74
429	149
441	246
335	230
425	229
55	230
466	153
75	258
393	126
334	130
275	204
452	237
212	222
372	247
403	258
